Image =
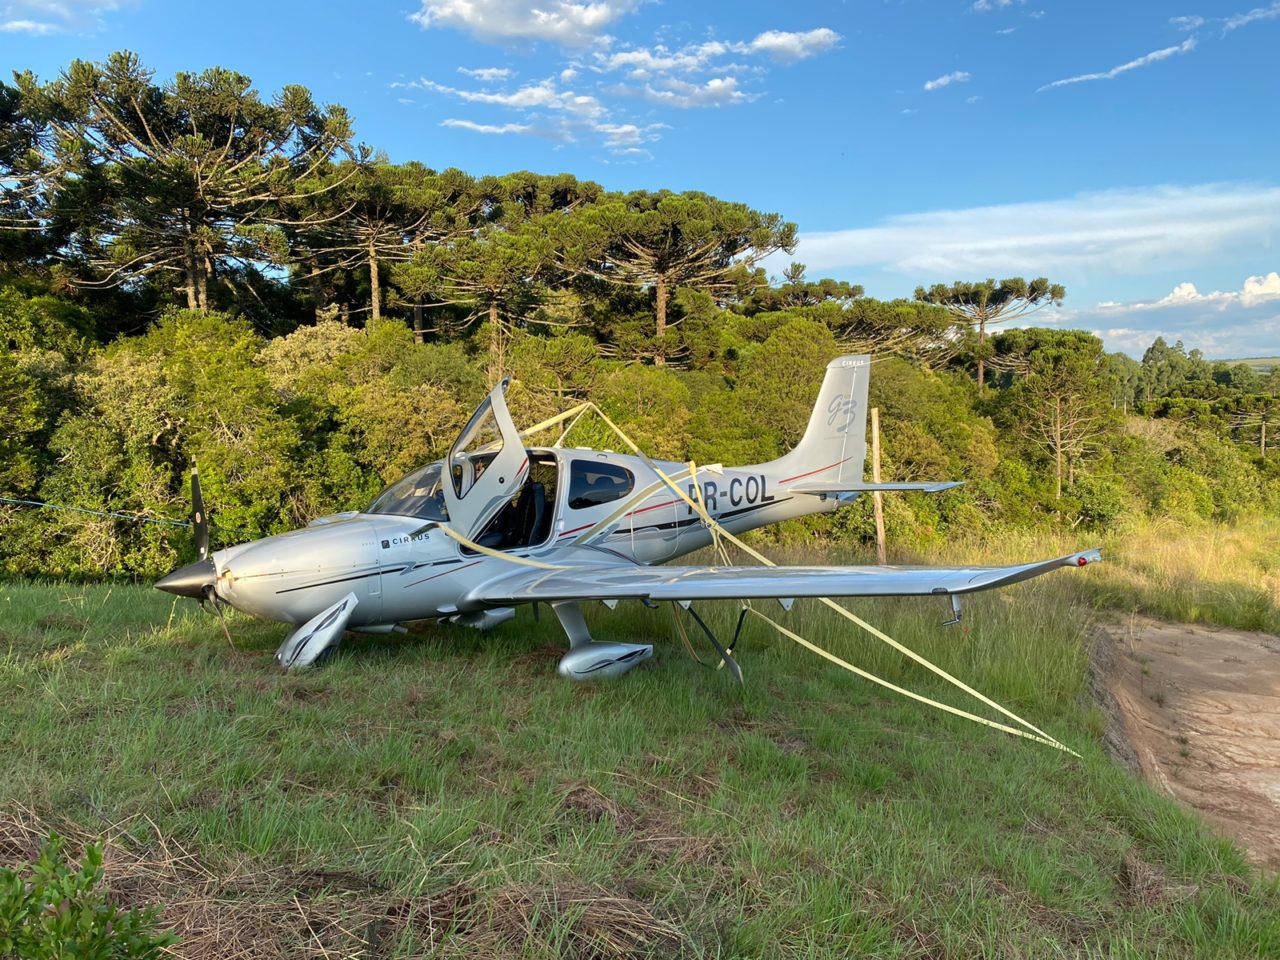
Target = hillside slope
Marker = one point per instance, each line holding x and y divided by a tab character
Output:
446	792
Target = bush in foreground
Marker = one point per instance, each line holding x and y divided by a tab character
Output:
51	911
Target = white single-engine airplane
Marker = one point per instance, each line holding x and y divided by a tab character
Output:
496	524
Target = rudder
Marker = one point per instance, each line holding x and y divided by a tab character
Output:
834	445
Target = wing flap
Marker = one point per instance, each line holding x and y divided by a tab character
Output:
618	581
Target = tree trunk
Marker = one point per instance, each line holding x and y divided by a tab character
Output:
375	291
877	498
193	301
317	289
498	346
660	351
1262	443
419	334
982	364
1057	446
202	284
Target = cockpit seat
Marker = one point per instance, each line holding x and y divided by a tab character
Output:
521	523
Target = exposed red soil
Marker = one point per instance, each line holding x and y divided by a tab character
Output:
1200	708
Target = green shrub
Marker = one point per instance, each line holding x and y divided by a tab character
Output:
50	911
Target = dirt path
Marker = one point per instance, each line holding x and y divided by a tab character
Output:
1201	710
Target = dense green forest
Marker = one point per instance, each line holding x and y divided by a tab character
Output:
191	269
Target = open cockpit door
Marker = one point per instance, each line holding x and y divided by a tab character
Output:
486	465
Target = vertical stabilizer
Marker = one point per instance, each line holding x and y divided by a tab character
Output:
834	446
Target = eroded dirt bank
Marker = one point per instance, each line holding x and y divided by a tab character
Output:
1200	710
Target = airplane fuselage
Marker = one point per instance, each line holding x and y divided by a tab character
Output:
400	572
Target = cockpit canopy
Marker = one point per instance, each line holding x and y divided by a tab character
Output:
484	470
417	495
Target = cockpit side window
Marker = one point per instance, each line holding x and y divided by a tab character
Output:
593	483
417	495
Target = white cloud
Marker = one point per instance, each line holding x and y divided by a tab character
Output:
487	74
1154	57
626	137
1257	13
782	45
520	128
1222	324
43	17
1238	323
1183	295
1261	289
1254	291
985	6
643	62
557	21
1111	233
1006	31
1194	22
716	92
542	95
567	74
956	76
620	139
35	27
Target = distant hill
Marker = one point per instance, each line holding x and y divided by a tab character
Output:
1261	364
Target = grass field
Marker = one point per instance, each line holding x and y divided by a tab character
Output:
445	794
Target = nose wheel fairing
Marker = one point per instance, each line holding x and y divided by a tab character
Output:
318	636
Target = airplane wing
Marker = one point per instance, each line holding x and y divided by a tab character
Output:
627	581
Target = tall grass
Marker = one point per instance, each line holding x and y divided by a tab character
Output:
1227	575
805	814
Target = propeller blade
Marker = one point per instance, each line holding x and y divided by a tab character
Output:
199	523
212	596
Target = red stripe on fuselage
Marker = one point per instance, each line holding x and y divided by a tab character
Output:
647	509
819	470
445	574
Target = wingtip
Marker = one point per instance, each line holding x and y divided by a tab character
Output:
1085	557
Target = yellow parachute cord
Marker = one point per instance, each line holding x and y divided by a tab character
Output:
907	693
719	531
496	554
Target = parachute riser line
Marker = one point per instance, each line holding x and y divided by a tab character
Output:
719	531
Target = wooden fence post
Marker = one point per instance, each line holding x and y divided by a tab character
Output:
877	497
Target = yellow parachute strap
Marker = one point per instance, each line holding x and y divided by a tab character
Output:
497	554
550	422
684	637
1048	741
717	542
712	523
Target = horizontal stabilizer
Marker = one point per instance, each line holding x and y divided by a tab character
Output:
821	487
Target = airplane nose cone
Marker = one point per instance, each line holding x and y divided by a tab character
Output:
191	580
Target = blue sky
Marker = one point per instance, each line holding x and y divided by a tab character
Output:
1127	150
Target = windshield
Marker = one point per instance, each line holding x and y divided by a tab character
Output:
416	495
